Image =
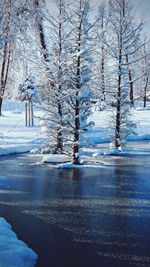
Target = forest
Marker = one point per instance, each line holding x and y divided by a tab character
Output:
71	58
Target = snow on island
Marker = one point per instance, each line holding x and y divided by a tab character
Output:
55	158
14	252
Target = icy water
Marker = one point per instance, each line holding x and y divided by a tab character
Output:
96	217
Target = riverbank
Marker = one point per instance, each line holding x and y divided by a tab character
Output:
16	138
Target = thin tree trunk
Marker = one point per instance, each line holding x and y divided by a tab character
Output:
103	62
145	92
26	114
1	101
7	66
146	77
3	72
32	115
29	114
59	147
5	59
118	108
131	94
103	75
77	103
76	134
118	111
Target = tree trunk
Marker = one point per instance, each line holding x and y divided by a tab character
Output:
131	94
146	77
77	103
118	113
26	114
118	108
59	145
60	112
1	101
6	57
40	29
145	92
103	61
32	115
4	74
76	133
3	71
29	113
103	75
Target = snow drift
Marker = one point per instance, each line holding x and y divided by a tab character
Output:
14	252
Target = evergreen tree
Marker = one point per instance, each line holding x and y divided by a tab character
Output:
29	93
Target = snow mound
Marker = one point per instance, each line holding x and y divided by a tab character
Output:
14	252
14	149
55	158
70	165
35	151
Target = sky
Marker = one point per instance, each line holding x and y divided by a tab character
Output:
142	6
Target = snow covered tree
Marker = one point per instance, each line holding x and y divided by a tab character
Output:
14	20
40	7
143	67
29	93
55	91
131	82
43	19
123	43
101	56
79	93
5	61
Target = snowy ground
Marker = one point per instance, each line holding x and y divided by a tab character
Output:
13	252
103	131
16	138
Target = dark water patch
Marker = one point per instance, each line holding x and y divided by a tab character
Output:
81	217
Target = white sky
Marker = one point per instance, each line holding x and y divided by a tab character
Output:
142	6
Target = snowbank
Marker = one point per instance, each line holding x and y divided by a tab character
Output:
14	149
13	252
14	136
55	158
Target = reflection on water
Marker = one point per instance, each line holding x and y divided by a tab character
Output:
80	217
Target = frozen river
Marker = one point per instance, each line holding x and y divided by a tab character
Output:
96	217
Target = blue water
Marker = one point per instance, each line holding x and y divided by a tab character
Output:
96	217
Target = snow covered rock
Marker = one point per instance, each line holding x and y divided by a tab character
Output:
14	252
